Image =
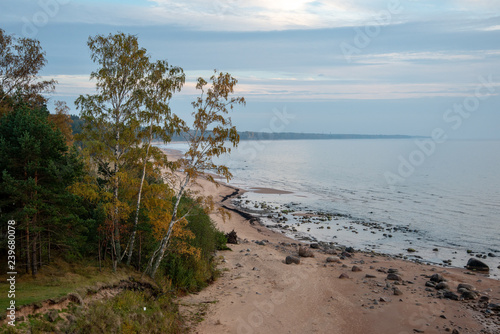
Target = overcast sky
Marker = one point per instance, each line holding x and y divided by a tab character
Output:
370	67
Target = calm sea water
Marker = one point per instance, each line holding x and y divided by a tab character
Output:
449	199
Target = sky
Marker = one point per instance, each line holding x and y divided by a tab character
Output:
324	66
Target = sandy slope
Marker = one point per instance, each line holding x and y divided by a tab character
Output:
259	293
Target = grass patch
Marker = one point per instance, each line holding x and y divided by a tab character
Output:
60	278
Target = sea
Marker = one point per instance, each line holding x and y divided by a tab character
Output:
414	198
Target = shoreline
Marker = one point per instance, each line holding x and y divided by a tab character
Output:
259	293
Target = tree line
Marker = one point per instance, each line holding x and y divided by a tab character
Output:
105	190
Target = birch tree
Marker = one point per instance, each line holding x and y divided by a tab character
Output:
110	115
211	135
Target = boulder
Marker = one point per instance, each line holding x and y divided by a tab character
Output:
394	277
292	259
469	295
475	264
465	286
442	286
334	259
305	252
438	278
356	269
314	245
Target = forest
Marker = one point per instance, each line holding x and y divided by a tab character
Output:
104	193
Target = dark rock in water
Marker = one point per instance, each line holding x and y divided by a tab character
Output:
466	286
394	277
305	252
356	269
491	255
411	250
231	237
475	264
349	250
334	259
292	259
435	250
450	295
343	275
314	246
470	295
438	278
442	286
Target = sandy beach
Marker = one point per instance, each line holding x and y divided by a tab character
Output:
351	292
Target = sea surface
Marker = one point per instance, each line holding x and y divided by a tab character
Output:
442	200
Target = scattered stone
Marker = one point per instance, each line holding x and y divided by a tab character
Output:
469	295
475	264
494	307
356	269
394	277
333	259
430	284
442	316
438	278
370	276
491	255
393	271
484	300
238	265
314	245
397	292
442	286
349	250
384	299
435	250
305	252
292	259
418	331
343	275
465	286
261	243
450	295
455	331
411	250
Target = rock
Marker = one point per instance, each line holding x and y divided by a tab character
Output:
442	286
52	315
261	243
349	250
384	299
231	237
397	292
314	245
356	269
475	264
411	250
438	278
305	252
430	284
343	275
494	307
333	259
392	271
435	250
394	277
484	300
450	295
470	295
370	276
455	331
292	259
466	286
491	255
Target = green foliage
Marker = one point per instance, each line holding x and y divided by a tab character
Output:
189	272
